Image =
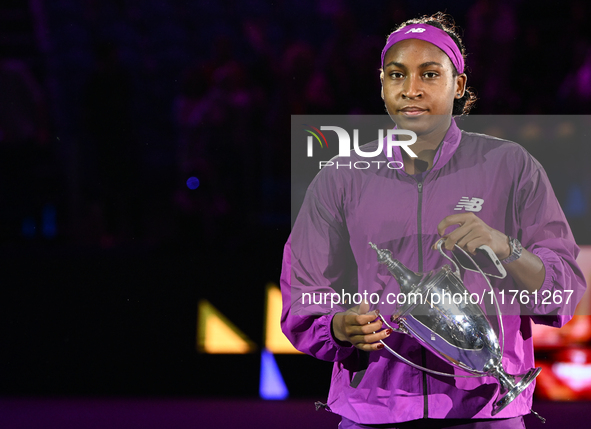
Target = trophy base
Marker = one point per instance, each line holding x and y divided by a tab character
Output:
528	377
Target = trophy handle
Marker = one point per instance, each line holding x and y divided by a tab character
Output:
439	244
491	255
414	365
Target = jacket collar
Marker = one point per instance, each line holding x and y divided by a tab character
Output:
446	149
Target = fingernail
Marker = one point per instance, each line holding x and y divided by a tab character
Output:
377	312
388	332
380	346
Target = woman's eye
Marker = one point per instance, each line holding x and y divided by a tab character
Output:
397	75
430	75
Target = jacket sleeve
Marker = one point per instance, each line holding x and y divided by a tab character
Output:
318	267
545	232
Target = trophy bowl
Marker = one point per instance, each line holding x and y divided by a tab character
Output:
456	331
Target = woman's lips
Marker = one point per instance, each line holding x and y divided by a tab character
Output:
412	111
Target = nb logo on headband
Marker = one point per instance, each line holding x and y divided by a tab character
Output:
416	30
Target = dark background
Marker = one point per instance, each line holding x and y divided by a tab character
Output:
108	107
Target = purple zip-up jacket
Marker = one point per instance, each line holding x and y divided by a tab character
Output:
328	252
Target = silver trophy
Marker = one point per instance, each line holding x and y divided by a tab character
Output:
459	333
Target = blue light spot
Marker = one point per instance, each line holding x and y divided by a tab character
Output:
49	221
576	203
271	385
192	183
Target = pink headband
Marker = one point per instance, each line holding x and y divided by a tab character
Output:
430	34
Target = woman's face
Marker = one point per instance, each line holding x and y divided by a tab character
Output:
418	86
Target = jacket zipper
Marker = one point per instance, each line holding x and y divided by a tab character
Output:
420	243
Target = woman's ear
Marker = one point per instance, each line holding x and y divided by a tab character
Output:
461	85
382	83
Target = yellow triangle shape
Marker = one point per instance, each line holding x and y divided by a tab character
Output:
275	341
216	334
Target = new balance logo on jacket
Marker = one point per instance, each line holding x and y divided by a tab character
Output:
470	204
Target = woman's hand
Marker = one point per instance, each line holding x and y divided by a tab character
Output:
528	271
359	327
473	233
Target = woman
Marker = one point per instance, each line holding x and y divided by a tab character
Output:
407	211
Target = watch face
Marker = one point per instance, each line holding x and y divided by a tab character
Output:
516	247
515	250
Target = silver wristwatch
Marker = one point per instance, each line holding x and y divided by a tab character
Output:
516	250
